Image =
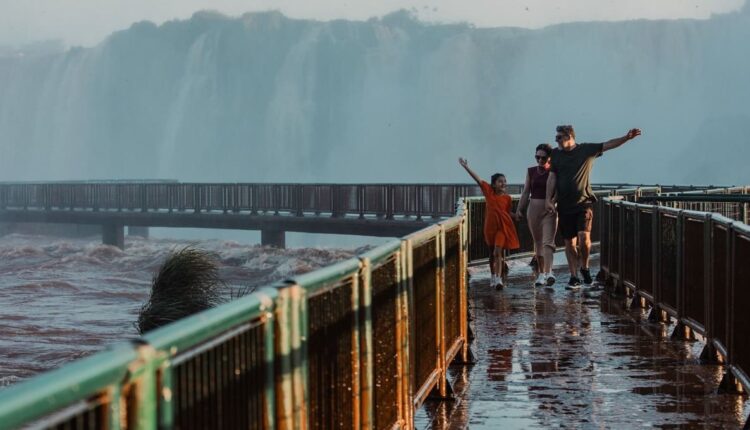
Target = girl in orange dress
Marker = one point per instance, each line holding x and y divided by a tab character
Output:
499	230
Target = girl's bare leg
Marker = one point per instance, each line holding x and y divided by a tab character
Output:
498	254
492	261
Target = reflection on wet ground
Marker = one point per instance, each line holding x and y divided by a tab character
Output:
548	357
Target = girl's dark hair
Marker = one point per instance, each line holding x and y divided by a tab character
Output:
495	177
546	147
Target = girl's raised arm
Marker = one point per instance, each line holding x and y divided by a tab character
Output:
465	164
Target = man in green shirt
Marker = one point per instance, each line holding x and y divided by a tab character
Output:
568	185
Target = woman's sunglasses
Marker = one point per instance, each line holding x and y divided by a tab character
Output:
541	158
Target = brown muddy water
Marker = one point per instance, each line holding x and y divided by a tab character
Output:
552	358
61	299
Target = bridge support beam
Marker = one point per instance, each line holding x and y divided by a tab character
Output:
275	238
113	234
138	231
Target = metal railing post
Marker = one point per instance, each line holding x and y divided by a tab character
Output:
144	372
406	310
620	286
444	387
636	252
366	360
679	276
656	314
466	355
709	354
356	360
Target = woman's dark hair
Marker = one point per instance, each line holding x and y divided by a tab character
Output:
495	178
546	147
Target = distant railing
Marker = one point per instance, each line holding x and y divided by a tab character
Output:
337	200
689	265
666	188
359	344
379	200
479	251
731	202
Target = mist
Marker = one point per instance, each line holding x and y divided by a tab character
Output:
268	98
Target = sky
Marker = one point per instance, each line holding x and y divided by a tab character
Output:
88	22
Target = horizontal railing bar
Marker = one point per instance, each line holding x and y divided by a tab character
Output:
423	235
200	327
322	277
60	388
719	198
382	252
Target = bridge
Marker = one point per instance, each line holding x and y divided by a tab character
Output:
387	339
379	210
385	210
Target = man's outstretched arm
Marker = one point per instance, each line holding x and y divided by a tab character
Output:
615	143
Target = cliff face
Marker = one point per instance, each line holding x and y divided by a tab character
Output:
267	98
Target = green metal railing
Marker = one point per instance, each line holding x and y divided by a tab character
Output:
687	266
211	370
334	348
479	252
731	202
359	344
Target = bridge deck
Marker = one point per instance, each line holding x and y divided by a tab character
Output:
554	358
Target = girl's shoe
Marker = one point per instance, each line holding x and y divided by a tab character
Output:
540	280
550	280
499	285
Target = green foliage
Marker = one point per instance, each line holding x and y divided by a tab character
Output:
188	282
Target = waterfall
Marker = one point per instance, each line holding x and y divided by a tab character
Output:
268	98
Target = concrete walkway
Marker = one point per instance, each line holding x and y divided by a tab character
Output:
552	358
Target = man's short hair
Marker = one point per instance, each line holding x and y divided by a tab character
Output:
566	130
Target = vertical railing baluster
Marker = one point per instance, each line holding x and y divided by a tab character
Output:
196	198
708	355
143	197
656	312
679	276
360	189
620	287
419	202
636	248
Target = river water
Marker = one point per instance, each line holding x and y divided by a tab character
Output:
62	299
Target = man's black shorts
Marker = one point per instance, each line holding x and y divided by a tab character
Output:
571	223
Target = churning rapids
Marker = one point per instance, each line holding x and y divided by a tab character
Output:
67	298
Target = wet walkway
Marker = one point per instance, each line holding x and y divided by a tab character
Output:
552	358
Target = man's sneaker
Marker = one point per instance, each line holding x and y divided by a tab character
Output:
586	273
550	281
540	280
574	283
499	285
